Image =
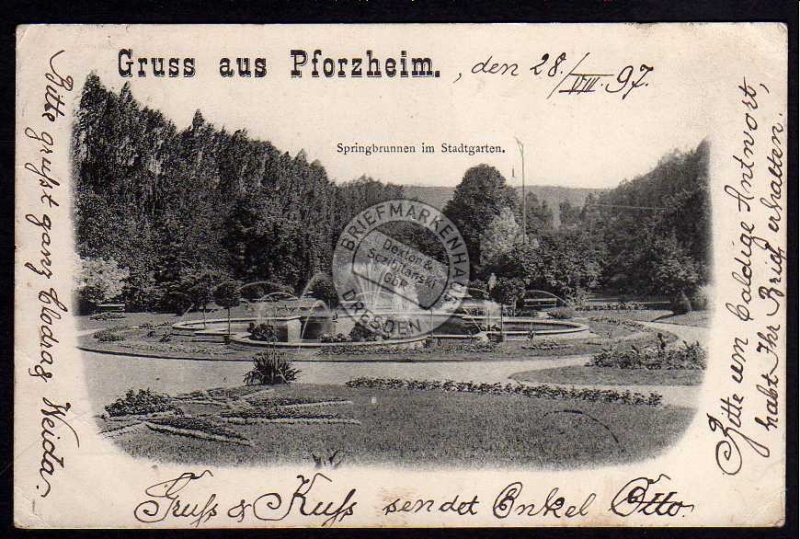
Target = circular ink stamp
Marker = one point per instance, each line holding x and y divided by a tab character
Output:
386	283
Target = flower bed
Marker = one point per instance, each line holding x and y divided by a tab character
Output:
540	391
620	306
429	348
142	402
545	345
689	356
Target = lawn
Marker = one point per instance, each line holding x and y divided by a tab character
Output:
432	428
698	319
609	376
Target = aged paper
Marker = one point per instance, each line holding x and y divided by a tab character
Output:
415	275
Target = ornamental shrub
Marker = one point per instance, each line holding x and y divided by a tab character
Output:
142	402
271	368
360	333
263	332
689	356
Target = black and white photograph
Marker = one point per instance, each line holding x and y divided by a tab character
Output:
418	275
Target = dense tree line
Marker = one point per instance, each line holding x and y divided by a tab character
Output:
648	236
175	207
164	215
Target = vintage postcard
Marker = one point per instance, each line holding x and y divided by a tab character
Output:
453	275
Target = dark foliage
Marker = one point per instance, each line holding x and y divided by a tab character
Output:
186	201
143	401
688	356
540	391
271	368
361	333
262	332
192	207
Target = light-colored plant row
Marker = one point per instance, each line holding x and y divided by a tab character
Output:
200	435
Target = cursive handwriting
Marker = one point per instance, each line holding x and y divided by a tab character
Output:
456	505
570	80
553	505
169	499
271	507
637	497
51	309
53	98
52	414
775	169
728	454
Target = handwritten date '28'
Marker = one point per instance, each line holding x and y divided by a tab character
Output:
571	78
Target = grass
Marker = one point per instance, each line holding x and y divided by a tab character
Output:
609	376
697	319
430	428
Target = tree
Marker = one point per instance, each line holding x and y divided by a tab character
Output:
561	262
101	280
324	290
477	200
538	214
200	287
227	295
569	215
508	292
675	273
671	201
500	236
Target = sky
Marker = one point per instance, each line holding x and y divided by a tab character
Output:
590	140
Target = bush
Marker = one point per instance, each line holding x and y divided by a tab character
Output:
540	391
478	289
142	402
544	345
108	335
681	304
324	290
699	299
271	368
621	306
262	332
429	346
361	333
253	292
690	356
578	299
561	313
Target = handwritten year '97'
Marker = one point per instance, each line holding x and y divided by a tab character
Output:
571	78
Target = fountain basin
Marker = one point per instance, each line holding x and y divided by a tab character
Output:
304	332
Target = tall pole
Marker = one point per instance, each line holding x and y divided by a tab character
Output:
524	201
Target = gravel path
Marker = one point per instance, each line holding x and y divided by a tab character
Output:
109	377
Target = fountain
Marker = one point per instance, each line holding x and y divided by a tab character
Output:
300	323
